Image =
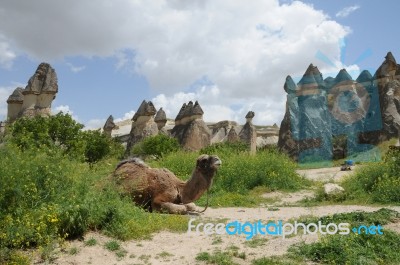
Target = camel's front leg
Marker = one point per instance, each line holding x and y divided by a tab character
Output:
173	208
191	207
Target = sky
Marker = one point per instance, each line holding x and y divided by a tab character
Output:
231	56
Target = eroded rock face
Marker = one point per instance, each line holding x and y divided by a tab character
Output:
388	81
390	106
143	124
43	81
233	136
220	130
37	96
190	129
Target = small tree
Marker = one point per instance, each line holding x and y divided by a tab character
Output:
62	132
97	146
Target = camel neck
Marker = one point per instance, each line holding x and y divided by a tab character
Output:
196	186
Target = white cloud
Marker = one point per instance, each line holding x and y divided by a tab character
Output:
244	48
66	110
6	54
127	116
217	108
347	11
94	124
5	92
76	69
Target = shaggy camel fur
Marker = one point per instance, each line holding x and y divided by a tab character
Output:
158	189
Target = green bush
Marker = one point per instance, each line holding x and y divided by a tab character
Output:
62	132
157	146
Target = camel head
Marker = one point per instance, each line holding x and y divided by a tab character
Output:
207	165
201	179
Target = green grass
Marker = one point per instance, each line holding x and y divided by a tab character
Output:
73	251
346	249
164	255
112	245
353	249
280	260
91	242
219	257
256	242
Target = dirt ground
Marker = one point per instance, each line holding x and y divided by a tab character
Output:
182	248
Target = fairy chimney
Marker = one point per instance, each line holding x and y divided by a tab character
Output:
40	92
190	129
109	126
161	118
248	133
143	124
232	136
14	102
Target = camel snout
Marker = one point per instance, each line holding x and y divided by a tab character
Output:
217	161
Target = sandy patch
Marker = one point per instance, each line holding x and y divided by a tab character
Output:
325	174
283	199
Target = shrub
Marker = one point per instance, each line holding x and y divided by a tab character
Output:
97	146
157	146
379	182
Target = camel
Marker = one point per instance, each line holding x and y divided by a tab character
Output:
158	189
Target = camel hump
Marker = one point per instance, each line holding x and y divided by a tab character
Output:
133	160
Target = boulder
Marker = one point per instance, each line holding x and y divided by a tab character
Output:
332	189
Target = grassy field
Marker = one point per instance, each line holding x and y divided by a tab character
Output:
48	195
